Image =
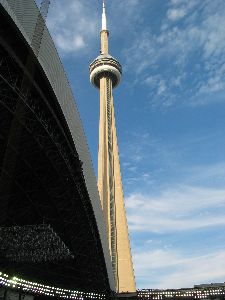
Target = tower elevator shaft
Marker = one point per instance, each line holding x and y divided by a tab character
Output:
105	74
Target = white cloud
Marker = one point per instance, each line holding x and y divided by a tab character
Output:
213	35
176	14
176	209
180	8
73	24
178	269
161	87
75	43
195	48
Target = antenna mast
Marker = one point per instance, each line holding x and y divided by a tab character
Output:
104	23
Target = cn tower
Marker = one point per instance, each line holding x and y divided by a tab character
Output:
105	74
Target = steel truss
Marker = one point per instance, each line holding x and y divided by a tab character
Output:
42	181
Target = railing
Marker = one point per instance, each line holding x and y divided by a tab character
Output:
46	290
200	292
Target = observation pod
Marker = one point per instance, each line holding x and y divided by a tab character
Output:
105	66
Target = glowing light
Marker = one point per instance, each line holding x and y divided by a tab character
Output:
37	288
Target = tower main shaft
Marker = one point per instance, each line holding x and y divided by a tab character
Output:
105	74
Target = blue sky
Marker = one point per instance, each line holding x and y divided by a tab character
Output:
170	115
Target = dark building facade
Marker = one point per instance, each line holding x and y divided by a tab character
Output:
205	291
51	223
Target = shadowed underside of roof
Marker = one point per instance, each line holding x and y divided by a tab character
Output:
51	224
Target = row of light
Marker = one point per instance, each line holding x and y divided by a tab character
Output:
38	288
197	294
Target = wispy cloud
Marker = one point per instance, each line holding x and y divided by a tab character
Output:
159	162
128	12
73	24
178	269
166	222
143	158
176	209
176	14
180	8
179	229
176	222
208	174
186	60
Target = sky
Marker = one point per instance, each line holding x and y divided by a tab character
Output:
170	115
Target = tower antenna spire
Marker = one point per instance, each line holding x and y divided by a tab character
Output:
105	74
104	23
